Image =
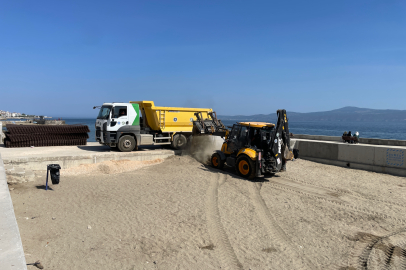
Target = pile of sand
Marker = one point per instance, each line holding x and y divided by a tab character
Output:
110	167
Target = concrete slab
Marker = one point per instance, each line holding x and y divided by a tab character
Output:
356	153
38	158
390	157
312	148
11	248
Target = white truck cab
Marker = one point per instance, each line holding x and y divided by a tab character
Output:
117	121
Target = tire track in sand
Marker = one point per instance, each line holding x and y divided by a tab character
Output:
372	252
275	232
226	255
346	192
335	201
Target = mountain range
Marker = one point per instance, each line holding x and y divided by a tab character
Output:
346	114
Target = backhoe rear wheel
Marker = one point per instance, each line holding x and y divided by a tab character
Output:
216	161
245	167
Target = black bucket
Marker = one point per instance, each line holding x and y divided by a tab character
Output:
55	175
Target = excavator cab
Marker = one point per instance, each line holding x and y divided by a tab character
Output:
252	148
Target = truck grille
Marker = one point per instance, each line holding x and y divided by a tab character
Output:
98	132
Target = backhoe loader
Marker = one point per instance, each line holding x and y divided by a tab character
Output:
252	148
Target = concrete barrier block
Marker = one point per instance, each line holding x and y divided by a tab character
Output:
356	153
317	149
390	157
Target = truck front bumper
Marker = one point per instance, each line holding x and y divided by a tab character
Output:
107	137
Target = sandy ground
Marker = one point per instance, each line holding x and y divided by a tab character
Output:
180	214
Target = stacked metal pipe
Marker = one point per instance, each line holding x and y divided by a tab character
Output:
45	135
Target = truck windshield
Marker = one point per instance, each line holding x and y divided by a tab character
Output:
104	112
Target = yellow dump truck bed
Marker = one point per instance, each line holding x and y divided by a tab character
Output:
169	119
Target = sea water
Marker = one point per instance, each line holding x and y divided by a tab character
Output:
384	130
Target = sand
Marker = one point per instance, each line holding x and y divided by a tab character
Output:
109	167
181	214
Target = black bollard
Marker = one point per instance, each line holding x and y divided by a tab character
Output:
55	175
296	153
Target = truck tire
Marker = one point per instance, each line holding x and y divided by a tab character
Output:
216	161
126	143
179	141
245	167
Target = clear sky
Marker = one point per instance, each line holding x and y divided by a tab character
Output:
60	58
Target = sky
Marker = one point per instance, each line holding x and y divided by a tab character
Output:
61	58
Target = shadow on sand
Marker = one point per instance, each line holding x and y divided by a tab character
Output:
43	187
105	148
227	170
95	148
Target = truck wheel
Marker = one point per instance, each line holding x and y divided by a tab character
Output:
216	161
179	141
126	143
245	167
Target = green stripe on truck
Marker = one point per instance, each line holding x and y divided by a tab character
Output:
137	112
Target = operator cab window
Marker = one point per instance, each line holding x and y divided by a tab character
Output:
119	111
243	132
234	132
243	135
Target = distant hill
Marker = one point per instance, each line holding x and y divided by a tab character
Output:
346	114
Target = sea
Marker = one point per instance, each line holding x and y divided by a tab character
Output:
383	130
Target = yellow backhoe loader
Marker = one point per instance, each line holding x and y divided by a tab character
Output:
252	148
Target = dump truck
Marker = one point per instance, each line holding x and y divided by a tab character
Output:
252	148
128	125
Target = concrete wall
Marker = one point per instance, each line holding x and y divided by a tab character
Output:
40	163
2	136
11	248
382	142
378	158
25	169
361	140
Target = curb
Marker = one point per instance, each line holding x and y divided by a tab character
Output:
11	248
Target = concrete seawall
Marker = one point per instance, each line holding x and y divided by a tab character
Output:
376	158
11	248
361	140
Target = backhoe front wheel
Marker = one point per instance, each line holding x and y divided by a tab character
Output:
127	143
216	161
245	167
